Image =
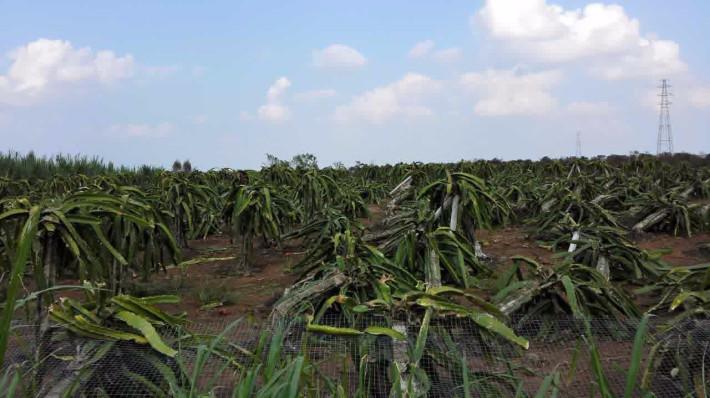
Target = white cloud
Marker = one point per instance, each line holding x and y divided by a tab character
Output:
448	55
601	34
245	116
338	56
401	99
274	110
699	97
314	95
510	92
425	49
274	113
277	89
39	66
586	108
142	130
651	59
421	49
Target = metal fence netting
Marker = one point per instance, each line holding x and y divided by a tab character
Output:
566	357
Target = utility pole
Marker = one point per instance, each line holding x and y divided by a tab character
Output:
665	133
578	152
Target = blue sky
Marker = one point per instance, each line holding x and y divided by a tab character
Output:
224	83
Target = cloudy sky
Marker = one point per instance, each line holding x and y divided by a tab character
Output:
224	83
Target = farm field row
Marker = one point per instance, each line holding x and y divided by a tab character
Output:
418	278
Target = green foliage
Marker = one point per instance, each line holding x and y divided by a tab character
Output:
193	206
102	234
21	254
483	206
604	243
30	166
678	215
683	291
83	219
256	211
270	375
123	318
9	382
217	295
569	289
633	385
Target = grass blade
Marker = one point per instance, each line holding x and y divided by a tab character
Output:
636	354
24	247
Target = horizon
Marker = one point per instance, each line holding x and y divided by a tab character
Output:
226	84
293	161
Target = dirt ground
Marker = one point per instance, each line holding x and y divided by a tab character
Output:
254	293
223	289
251	292
506	242
218	288
684	251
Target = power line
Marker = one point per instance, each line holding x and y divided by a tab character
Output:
665	133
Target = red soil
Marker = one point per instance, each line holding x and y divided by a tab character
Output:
256	289
684	250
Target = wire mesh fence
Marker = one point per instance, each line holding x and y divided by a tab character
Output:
569	357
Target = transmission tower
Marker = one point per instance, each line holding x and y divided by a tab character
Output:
665	133
578	152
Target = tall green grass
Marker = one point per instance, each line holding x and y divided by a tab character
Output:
31	166
633	386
